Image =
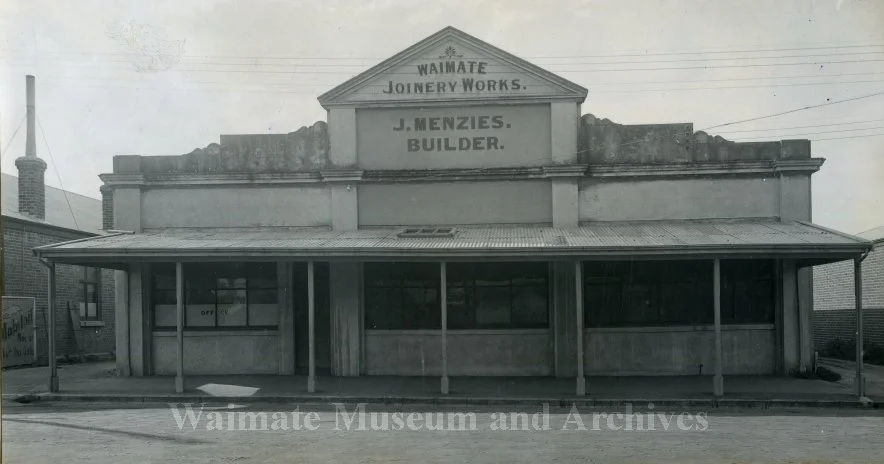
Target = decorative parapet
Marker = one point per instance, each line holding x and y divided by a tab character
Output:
303	150
602	141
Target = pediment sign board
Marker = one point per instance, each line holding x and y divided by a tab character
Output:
451	66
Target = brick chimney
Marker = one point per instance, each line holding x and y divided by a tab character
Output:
107	207
31	189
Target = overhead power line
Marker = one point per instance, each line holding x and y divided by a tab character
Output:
814	139
8	143
57	173
811	133
374	58
679	89
850	137
801	127
321	86
256	61
490	73
242	89
793	111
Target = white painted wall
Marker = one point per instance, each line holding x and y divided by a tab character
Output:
236	207
687	198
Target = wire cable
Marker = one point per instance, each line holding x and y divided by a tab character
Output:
57	173
792	111
6	147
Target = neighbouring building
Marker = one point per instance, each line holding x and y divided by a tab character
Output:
457	216
833	289
35	215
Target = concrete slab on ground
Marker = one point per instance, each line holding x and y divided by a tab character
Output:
98	382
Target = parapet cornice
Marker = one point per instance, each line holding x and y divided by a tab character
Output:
600	171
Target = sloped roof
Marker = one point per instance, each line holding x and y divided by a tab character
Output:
874	235
563	88
84	213
593	239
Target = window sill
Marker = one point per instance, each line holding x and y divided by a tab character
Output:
681	328
91	323
456	332
217	333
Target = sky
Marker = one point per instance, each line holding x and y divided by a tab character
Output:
164	77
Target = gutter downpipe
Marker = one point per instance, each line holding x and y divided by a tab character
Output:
859	381
50	309
50	333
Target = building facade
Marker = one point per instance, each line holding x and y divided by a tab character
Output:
457	216
35	215
834	317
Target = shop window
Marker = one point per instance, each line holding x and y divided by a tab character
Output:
748	291
665	293
90	307
498	295
405	296
647	293
217	295
402	296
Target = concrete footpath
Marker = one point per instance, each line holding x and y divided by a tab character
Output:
99	382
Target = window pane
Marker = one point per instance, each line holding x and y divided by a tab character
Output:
164	297
232	282
263	315
685	303
262	275
461	314
420	274
602	299
231	308
198	296
638	305
651	293
530	307
164	315
383	308
198	276
529	273
748	291
421	309
263	310
493	307
90	293
458	274
381	274
263	296
164	282
200	315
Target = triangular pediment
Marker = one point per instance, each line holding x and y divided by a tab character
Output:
452	66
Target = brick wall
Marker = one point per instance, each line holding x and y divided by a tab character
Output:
830	325
31	190
834	300
26	276
107	208
833	283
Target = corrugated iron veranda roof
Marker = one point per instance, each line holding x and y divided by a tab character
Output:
591	239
